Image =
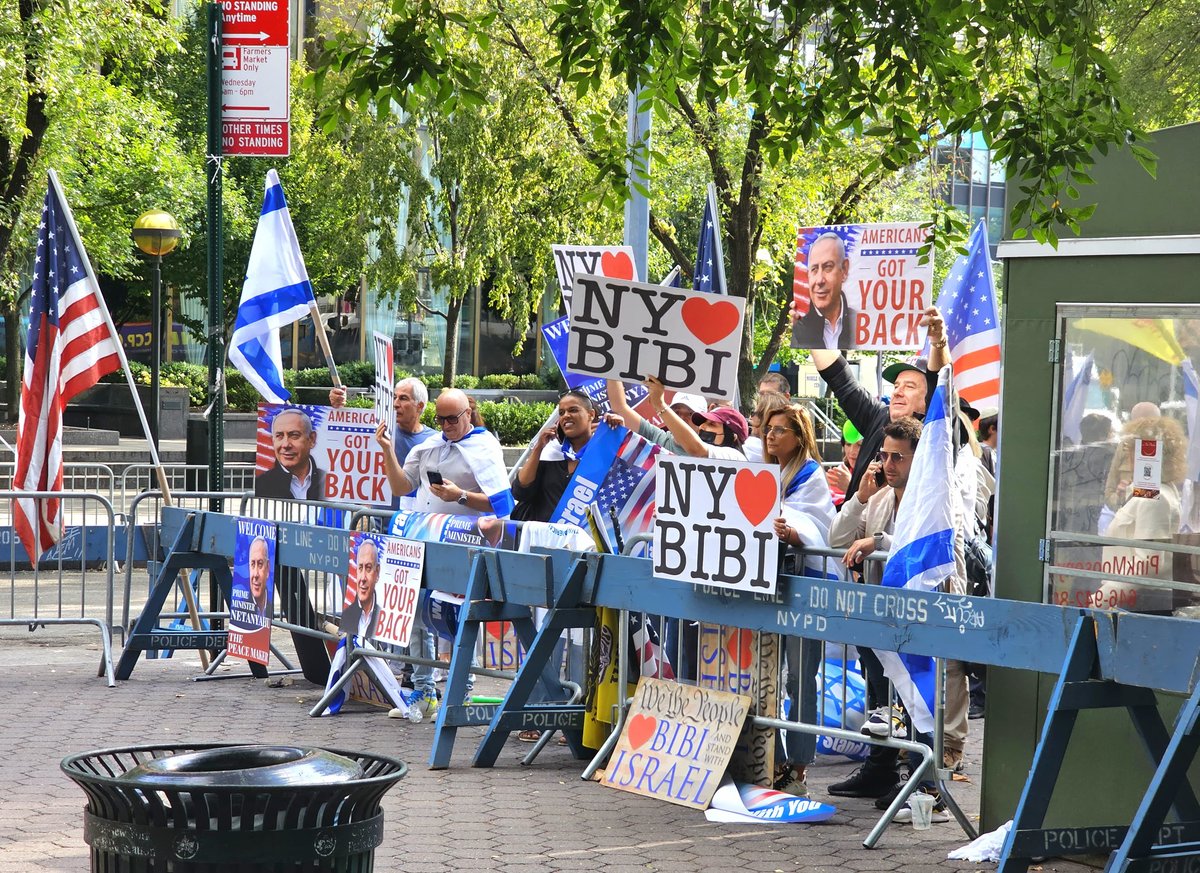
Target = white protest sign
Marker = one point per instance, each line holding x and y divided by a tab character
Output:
714	523
331	453
875	300
690	340
615	262
385	383
383	583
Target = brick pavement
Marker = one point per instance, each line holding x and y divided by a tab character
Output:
512	818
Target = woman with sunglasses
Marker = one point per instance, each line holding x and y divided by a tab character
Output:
806	515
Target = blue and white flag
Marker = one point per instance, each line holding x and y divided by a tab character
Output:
1075	400
709	275
1191	399
276	294
922	553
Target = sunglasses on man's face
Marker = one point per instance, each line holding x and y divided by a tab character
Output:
884	457
444	420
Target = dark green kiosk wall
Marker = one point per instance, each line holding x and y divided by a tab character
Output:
1105	771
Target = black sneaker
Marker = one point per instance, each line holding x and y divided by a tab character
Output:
864	783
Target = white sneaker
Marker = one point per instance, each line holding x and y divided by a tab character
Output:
885	721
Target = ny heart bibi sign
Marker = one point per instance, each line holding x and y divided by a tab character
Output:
629	330
677	742
714	523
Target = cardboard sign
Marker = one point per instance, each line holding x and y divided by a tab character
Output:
715	523
739	802
629	330
253	593
615	262
484	531
744	662
1147	468
385	383
333	450
383	584
875	300
677	742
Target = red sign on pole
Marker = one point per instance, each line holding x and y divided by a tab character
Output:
255	87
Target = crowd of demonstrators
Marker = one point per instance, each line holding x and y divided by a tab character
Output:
806	513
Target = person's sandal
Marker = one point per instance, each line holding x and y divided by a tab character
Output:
529	736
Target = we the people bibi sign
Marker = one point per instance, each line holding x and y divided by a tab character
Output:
714	523
629	330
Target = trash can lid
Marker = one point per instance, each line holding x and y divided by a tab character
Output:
251	766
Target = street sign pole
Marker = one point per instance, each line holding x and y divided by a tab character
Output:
216	307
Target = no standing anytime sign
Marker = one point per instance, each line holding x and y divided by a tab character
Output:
255	92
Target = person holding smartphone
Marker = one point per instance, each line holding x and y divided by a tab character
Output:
543	478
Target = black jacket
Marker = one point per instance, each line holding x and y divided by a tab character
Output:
867	413
277	482
809	330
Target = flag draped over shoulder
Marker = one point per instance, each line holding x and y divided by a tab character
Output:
968	303
276	294
922	553
70	347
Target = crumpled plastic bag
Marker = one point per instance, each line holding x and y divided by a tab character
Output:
985	847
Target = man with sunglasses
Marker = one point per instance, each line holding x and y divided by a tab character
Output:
460	473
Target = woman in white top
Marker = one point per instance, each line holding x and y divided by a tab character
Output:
806	515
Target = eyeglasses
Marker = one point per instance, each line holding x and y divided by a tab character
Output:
777	431
884	457
444	420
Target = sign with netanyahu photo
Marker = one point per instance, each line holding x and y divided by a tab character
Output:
861	286
714	523
319	453
689	340
383	586
253	591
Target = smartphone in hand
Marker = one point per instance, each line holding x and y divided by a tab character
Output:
434	477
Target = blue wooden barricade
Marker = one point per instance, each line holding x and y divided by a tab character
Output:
1103	659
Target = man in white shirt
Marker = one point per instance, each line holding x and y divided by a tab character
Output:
462	473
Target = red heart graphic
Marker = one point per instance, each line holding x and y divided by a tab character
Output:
709	321
641	729
616	266
755	494
741	648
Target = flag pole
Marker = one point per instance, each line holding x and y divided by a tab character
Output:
323	339
160	473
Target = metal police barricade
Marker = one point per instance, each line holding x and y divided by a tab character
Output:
139	478
92	478
72	583
1102	659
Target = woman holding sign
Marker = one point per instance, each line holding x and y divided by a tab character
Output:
807	513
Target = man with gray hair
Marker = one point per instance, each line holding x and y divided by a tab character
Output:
829	322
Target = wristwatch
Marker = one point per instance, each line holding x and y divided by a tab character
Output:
462	498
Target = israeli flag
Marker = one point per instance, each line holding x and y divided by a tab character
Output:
276	294
1191	399
1075	400
922	554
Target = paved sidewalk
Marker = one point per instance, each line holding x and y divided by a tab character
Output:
511	817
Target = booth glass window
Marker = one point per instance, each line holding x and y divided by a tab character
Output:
1123	517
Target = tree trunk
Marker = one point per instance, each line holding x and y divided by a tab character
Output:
450	365
12	367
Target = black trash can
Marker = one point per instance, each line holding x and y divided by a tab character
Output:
237	809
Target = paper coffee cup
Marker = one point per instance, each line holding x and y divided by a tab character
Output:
921	805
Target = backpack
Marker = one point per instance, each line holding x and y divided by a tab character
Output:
978	554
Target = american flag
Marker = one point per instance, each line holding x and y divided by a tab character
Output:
709	275
71	345
629	486
805	237
968	303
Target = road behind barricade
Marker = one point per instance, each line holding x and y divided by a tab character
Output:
511	817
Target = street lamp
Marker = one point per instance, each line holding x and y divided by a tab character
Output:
156	234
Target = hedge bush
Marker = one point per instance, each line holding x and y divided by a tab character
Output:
466	382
